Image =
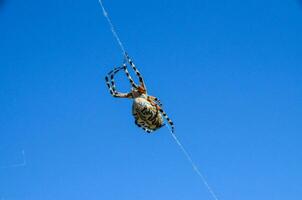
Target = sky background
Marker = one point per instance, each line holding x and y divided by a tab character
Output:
229	74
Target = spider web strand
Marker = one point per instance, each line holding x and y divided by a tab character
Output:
194	166
115	35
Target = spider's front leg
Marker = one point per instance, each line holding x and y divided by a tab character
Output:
128	76
111	84
138	74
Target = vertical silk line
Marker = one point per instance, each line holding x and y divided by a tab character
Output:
194	166
105	13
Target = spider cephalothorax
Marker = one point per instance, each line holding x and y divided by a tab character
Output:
138	91
146	109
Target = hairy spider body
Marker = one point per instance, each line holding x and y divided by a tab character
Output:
146	109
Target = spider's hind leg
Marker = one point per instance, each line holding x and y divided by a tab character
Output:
142	127
156	100
170	122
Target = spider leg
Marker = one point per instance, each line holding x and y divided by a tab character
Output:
167	118
158	101
155	99
142	127
111	84
128	76
110	80
138	74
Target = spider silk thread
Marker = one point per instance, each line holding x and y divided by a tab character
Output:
194	166
114	33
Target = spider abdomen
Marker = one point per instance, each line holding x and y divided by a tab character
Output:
146	115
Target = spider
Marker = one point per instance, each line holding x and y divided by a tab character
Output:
147	110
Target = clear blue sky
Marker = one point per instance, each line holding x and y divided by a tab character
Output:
229	74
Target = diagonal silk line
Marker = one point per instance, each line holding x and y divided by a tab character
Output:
115	35
194	166
197	171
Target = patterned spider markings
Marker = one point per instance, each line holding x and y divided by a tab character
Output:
147	110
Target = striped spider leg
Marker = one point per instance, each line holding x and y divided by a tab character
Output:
111	84
141	80
129	77
168	119
138	74
155	99
143	127
158	105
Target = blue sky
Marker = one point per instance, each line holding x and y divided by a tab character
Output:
227	72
